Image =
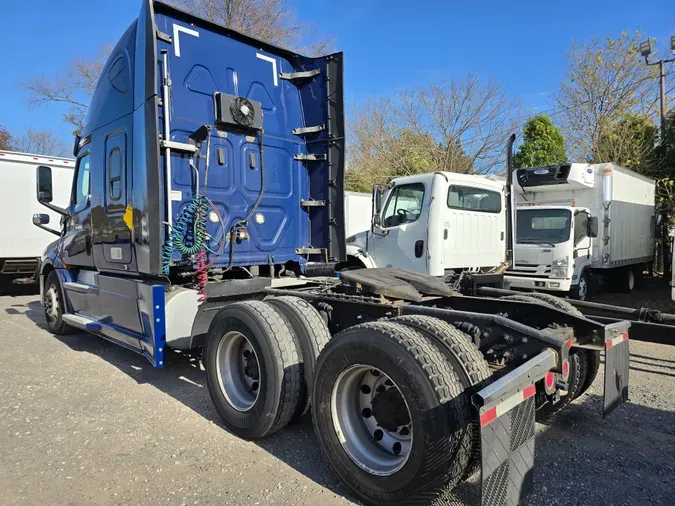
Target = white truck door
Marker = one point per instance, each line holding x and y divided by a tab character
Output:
400	239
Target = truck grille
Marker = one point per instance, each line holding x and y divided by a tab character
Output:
530	270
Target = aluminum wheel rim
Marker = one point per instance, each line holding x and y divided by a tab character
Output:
51	303
378	450
583	287
238	371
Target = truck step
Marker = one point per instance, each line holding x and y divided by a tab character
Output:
82	322
80	287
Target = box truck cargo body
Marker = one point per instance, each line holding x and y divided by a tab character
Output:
561	208
22	244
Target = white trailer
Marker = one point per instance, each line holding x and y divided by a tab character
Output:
22	244
559	211
358	212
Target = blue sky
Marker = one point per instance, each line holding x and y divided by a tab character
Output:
388	44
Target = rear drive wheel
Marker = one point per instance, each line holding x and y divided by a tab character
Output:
592	366
387	414
52	303
311	333
556	302
253	369
469	365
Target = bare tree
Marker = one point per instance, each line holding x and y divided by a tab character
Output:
605	82
456	125
39	142
73	87
5	139
274	21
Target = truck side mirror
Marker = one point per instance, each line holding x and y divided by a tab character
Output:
44	184
377	199
377	221
593	226
45	193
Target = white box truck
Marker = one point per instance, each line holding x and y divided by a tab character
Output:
22	244
577	220
358	212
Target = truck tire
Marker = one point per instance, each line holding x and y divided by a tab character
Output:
253	369
400	444
467	362
53	306
524	298
556	302
582	289
310	332
592	366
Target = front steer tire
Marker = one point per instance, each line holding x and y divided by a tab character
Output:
278	367
54	306
432	394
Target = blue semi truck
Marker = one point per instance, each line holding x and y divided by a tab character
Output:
207	213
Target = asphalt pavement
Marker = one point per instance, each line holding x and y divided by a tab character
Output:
85	422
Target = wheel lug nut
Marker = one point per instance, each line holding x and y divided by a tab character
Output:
366	413
404	431
255	385
397	448
378	435
365	389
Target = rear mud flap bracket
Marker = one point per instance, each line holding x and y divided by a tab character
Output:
617	364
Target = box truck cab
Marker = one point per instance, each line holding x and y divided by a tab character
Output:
437	223
577	220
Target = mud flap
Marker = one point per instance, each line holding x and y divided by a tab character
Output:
507	430
507	456
617	362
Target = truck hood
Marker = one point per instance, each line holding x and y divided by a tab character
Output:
537	255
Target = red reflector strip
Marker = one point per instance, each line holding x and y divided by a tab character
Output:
617	340
505	406
489	416
529	392
565	369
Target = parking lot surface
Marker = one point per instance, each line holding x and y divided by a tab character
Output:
83	421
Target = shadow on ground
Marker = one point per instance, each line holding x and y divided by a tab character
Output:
183	379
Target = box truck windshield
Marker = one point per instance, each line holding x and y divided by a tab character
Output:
534	226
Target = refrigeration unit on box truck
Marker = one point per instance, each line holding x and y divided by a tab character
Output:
22	244
577	220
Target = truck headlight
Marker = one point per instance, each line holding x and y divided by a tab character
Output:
559	267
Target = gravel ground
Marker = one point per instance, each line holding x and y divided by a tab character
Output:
83	421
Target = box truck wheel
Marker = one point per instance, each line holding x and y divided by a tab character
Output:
311	333
388	414
580	291
253	368
53	305
467	362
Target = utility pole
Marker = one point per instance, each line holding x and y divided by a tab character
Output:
646	50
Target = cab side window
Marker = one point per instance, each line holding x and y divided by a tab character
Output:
580	227
81	190
404	205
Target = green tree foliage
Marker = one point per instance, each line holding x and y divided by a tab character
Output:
629	142
606	82
5	139
543	144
